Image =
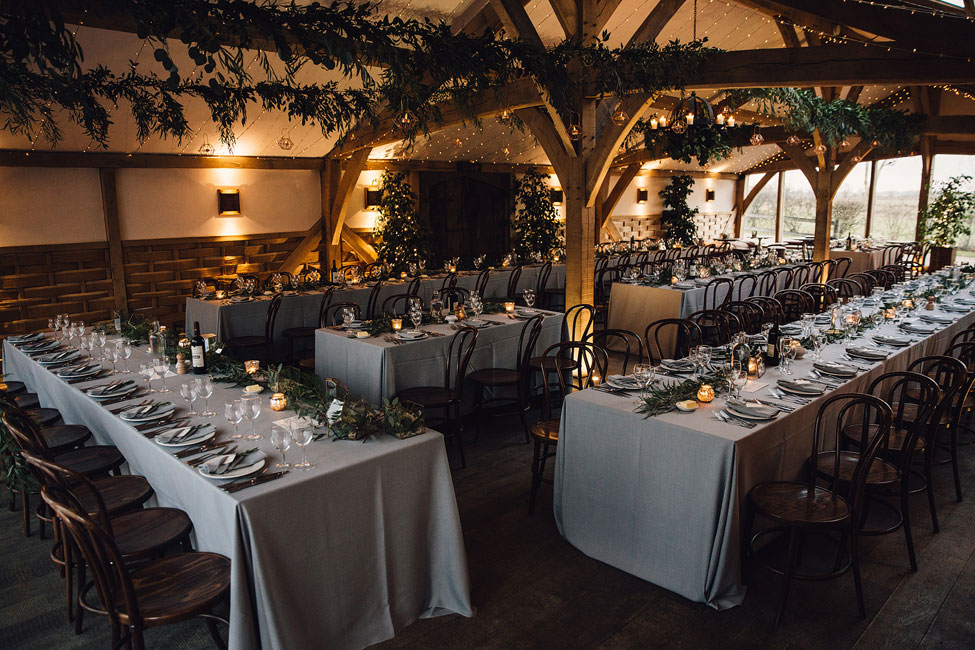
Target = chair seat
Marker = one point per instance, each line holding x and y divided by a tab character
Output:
895	442
495	377
298	332
546	431
881	471
44	416
144	531
15	387
95	460
246	341
62	437
120	493
178	587
27	400
548	363
428	396
798	504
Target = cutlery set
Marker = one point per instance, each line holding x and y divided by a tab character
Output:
240	484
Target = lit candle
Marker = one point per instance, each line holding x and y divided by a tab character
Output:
453	269
278	402
653	123
403	274
752	366
731	120
890	313
907	304
397	324
705	393
251	366
221	294
720	118
690	119
663	121
509	307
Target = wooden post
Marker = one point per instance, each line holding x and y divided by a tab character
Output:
824	215
113	233
739	204
927	164
779	206
331	172
871	197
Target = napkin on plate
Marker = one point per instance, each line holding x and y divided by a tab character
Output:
217	467
623	380
678	365
751	409
111	390
684	284
937	318
801	386
836	369
898	341
871	354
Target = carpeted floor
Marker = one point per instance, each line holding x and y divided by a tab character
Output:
533	591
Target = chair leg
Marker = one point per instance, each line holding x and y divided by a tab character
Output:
478	405
954	462
857	581
459	435
536	477
25	503
906	523
79	614
215	633
787	575
929	487
68	575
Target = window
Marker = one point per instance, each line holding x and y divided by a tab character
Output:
760	215
948	166
850	204
895	205
798	206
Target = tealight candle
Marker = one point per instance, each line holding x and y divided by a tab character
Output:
719	118
509	307
397	324
654	123
221	294
705	393
663	121
752	366
690	119
251	366
278	402
907	303
731	121
452	268
402	274
890	313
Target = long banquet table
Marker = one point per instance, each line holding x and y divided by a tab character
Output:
340	557
376	369
861	261
661	498
228	319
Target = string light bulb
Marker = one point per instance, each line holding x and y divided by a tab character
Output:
819	149
844	144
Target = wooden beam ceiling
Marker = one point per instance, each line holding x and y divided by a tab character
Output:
18	158
655	21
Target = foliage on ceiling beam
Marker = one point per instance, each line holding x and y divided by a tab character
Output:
411	66
805	112
705	143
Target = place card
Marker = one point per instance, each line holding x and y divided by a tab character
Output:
753	386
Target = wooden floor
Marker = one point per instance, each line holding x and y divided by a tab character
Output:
533	591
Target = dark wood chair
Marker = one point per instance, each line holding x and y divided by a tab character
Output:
823	296
866	282
447	397
797	509
795	303
745	287
716	325
578	322
283	276
671	338
783	278
771	309
630	342
454	296
890	474
750	315
800	276
158	592
765	284
414	288
373	300
333	314
517	379
882	278
450	280
602	287
842	268
551	297
391	305
514	277
717	292
897	271
845	288
481	284
561	360
304	333
13	388
239	343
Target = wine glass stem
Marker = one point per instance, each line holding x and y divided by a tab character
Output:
304	455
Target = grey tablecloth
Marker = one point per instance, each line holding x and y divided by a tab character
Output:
338	557
375	369
227	320
660	498
861	261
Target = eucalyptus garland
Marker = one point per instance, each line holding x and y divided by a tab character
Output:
705	143
663	398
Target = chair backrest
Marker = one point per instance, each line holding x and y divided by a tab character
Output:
750	314
765	284
842	268
964	352
480	286
48	472
333	313
541	282
899	389
717	292
373	299
323	306
881	277
454	295
390	303
845	288
414	288
745	286
272	315
951	376
866	282
834	414
800	276
459	351
895	270
671	338
562	359
527	340
513	279
631	343
771	309
605	277
25	431
716	325
823	295
795	303
578	322
783	278
449	280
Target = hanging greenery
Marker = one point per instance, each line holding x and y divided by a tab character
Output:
410	66
803	111
703	143
402	239
537	229
677	218
949	215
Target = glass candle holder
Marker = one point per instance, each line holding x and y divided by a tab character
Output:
278	402
705	393
752	366
403	275
252	366
397	324
509	307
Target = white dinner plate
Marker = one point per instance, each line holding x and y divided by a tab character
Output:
204	433
26	338
411	336
52	359
131	414
120	392
237	472
751	415
621	384
812	392
71	373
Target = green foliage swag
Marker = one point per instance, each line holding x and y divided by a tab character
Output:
948	216
402	238
677	218
535	223
703	143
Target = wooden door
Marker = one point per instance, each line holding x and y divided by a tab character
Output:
468	213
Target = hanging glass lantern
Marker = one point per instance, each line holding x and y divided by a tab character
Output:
575	131
844	144
406	119
619	117
678	126
692	110
284	141
206	149
504	116
757	138
819	149
794	140
875	143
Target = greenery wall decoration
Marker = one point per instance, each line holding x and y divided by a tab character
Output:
409	65
537	230
402	239
949	215
703	143
677	218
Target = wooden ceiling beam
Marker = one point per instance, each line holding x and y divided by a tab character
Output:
655	22
19	158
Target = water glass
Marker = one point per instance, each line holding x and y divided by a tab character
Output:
252	410
643	373
204	387
100	339
234	412
436	307
739	377
347	317
787	352
161	365
145	369
281	439
477	306
416	313
124	352
110	353
189	392
301	435
529	296
53	324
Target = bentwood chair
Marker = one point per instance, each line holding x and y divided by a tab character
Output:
447	397
766	284
454	296
141	533
795	303
842	268
514	277
449	280
481	284
845	288
800	509
881	277
717	292
578	322
239	343
750	315
745	286
305	333
398	303
414	288
866	282
890	474
560	359
517	379
629	342
550	296
373	300
823	296
159	592
716	325
783	278
333	314
671	338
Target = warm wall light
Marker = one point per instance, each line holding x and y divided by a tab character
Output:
557	196
641	195
372	198
708	195
228	202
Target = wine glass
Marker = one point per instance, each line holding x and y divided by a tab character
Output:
785	350
161	365
347	316
110	353
124	352
100	342
643	373
234	412
147	372
281	439
412	268
529	296
416	313
704	356
52	324
189	392
251	405
738	375
477	306
204	386
478	262
301	435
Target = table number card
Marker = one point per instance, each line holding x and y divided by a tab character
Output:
334	410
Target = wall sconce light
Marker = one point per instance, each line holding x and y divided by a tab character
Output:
708	195
641	195
228	202
372	198
557	196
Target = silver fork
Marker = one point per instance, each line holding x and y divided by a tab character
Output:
788	398
737	420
